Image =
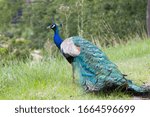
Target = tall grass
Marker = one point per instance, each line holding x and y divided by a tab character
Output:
51	78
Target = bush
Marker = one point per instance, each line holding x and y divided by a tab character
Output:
14	48
19	49
3	51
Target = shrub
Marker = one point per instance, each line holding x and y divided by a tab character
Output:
14	48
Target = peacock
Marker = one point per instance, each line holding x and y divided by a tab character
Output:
96	72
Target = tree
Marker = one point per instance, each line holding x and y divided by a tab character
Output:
9	11
108	21
148	18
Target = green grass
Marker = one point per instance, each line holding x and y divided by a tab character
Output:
51	79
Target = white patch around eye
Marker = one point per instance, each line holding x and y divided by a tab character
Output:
53	25
69	48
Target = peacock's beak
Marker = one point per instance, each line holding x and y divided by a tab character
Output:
49	27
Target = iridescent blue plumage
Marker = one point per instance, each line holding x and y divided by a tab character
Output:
96	71
57	38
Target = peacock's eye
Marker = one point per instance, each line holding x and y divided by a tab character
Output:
53	26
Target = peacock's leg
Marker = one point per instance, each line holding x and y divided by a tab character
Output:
73	74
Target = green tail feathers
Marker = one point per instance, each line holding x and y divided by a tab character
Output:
139	90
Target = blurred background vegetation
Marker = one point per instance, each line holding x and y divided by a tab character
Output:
23	22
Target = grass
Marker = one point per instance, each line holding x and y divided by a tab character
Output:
52	78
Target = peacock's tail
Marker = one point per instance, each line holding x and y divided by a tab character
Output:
138	90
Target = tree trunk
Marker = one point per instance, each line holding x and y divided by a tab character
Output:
148	18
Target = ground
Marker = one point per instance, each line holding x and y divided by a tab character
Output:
51	78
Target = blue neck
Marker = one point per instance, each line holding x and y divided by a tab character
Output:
57	38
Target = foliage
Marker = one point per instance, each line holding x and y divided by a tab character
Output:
3	51
8	12
13	48
4	43
19	48
106	20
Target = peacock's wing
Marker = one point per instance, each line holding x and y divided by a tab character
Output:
96	71
69	49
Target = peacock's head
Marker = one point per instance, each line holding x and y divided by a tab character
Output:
52	26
